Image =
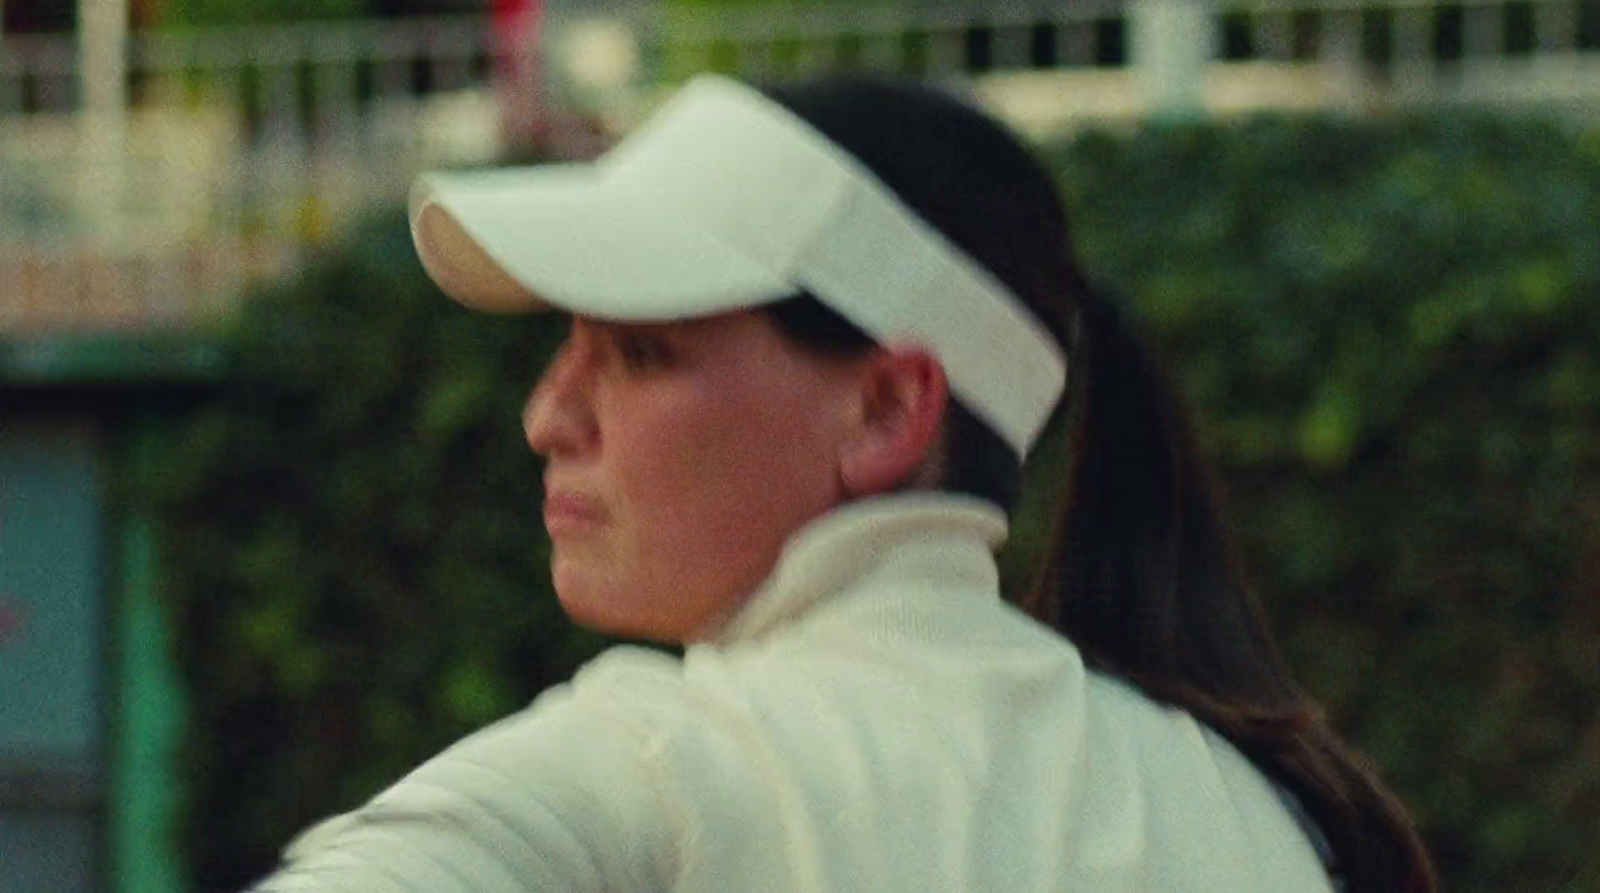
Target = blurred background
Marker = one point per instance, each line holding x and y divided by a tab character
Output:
269	534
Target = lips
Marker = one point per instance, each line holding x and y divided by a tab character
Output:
567	512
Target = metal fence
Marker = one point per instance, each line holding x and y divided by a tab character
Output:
237	149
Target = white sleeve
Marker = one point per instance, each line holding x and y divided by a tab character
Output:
562	796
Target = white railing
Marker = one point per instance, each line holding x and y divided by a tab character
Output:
240	148
1478	51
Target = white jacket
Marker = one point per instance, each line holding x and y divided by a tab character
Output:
875	718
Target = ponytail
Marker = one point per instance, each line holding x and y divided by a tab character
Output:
1142	578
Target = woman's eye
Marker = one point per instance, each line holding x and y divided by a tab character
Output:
642	353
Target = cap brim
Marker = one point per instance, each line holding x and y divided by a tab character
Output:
566	237
726	200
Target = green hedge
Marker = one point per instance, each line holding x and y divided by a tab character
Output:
1389	332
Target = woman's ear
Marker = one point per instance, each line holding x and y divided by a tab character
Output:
897	420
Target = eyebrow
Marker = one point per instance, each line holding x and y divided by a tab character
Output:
653	327
614	330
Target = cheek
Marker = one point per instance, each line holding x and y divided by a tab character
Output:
705	476
720	460
714	487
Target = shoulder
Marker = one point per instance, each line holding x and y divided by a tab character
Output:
624	669
580	748
565	794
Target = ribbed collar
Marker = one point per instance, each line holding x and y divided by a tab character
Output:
922	536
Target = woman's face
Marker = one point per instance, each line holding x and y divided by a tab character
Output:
679	458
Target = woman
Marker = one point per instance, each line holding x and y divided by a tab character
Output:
814	332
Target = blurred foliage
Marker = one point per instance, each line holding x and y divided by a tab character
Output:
237	12
183	13
1390	337
1389	333
695	38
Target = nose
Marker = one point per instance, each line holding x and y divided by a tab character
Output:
558	419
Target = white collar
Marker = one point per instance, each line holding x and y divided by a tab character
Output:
937	537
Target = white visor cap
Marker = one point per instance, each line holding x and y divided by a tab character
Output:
722	201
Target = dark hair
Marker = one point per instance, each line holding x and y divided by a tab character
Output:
1142	576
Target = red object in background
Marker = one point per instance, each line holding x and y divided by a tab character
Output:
514	11
514	29
515	35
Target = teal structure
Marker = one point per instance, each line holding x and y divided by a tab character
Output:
91	705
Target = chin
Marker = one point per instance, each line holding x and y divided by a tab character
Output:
596	612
